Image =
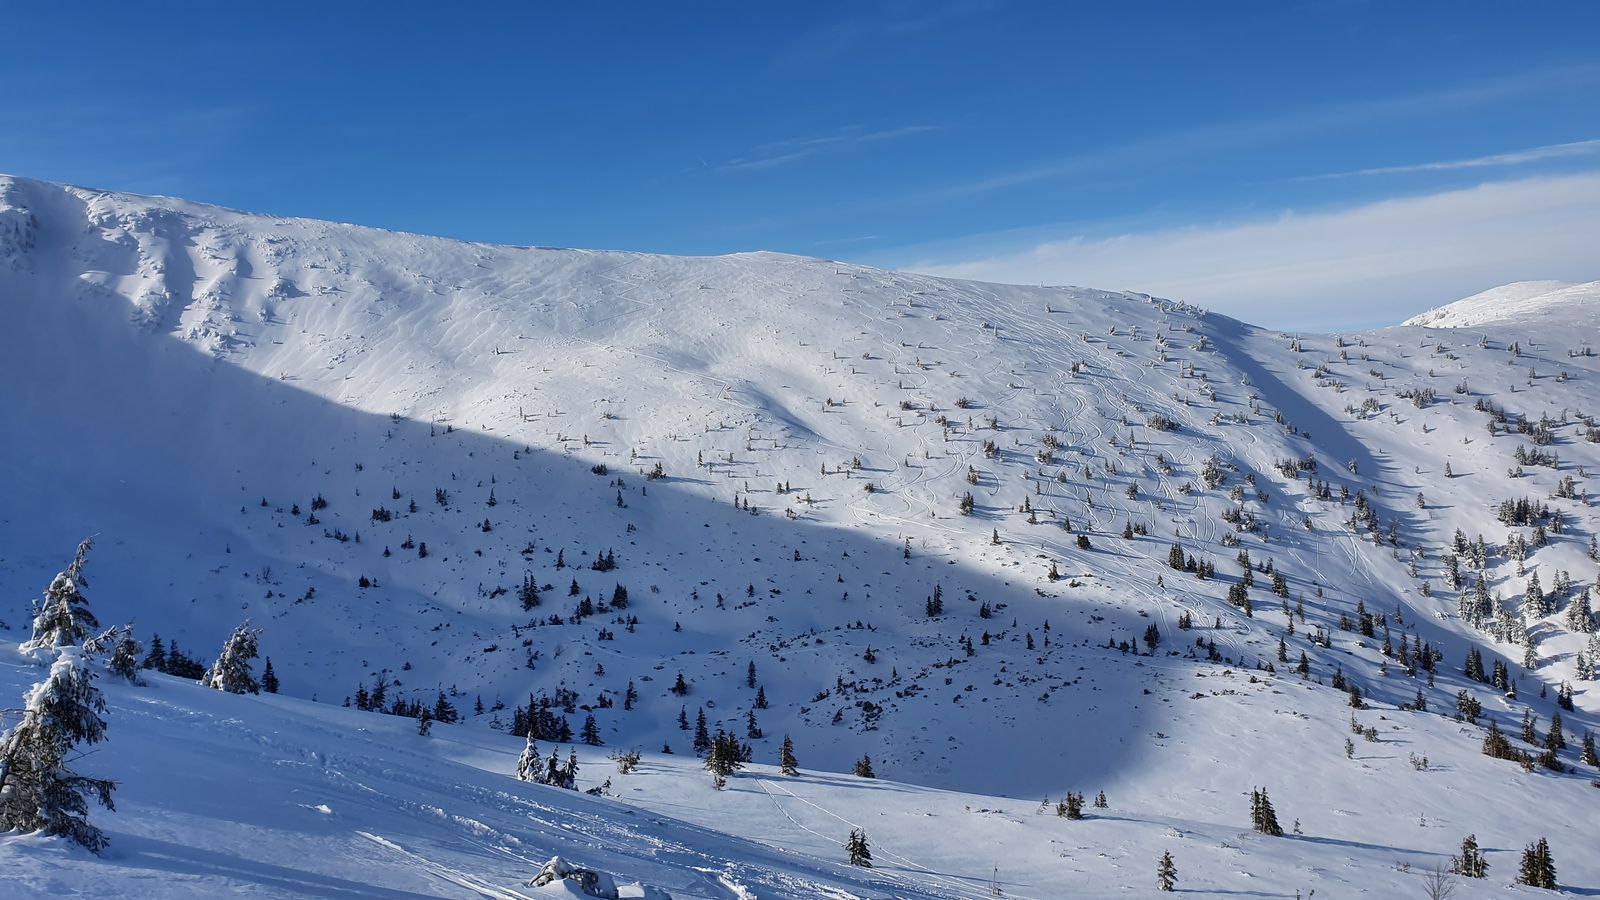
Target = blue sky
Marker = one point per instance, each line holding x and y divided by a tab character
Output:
1319	164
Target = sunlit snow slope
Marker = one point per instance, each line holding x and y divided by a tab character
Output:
184	381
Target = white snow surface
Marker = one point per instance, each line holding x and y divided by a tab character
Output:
1520	301
181	379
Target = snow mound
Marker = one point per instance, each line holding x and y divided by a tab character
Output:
1518	302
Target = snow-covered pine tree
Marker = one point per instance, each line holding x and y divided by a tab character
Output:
124	662
1580	614
37	790
529	766
569	772
63	616
231	671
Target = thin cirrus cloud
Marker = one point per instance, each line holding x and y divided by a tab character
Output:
1512	158
770	156
1291	125
1365	266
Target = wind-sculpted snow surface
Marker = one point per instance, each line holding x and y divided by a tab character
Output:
368	444
1574	304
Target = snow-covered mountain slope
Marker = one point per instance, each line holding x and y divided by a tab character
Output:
226	796
223	795
187	381
1520	301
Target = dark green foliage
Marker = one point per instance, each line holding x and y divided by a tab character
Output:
786	760
1470	863
855	847
157	657
702	735
1070	807
1166	873
1538	868
1497	745
724	756
124	662
1263	817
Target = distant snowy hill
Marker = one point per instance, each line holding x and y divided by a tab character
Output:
923	520
1577	303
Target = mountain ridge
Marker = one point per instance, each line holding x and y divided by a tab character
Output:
838	447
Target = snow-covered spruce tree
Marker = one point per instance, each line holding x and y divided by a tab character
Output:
37	790
231	671
788	765
529	766
63	616
124	662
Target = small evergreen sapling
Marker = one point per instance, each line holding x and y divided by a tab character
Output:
1166	873
863	767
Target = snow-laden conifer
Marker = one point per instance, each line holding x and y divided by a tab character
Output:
63	616
38	792
231	671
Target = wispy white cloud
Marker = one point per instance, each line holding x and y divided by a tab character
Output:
1369	265
1229	136
780	153
1513	158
